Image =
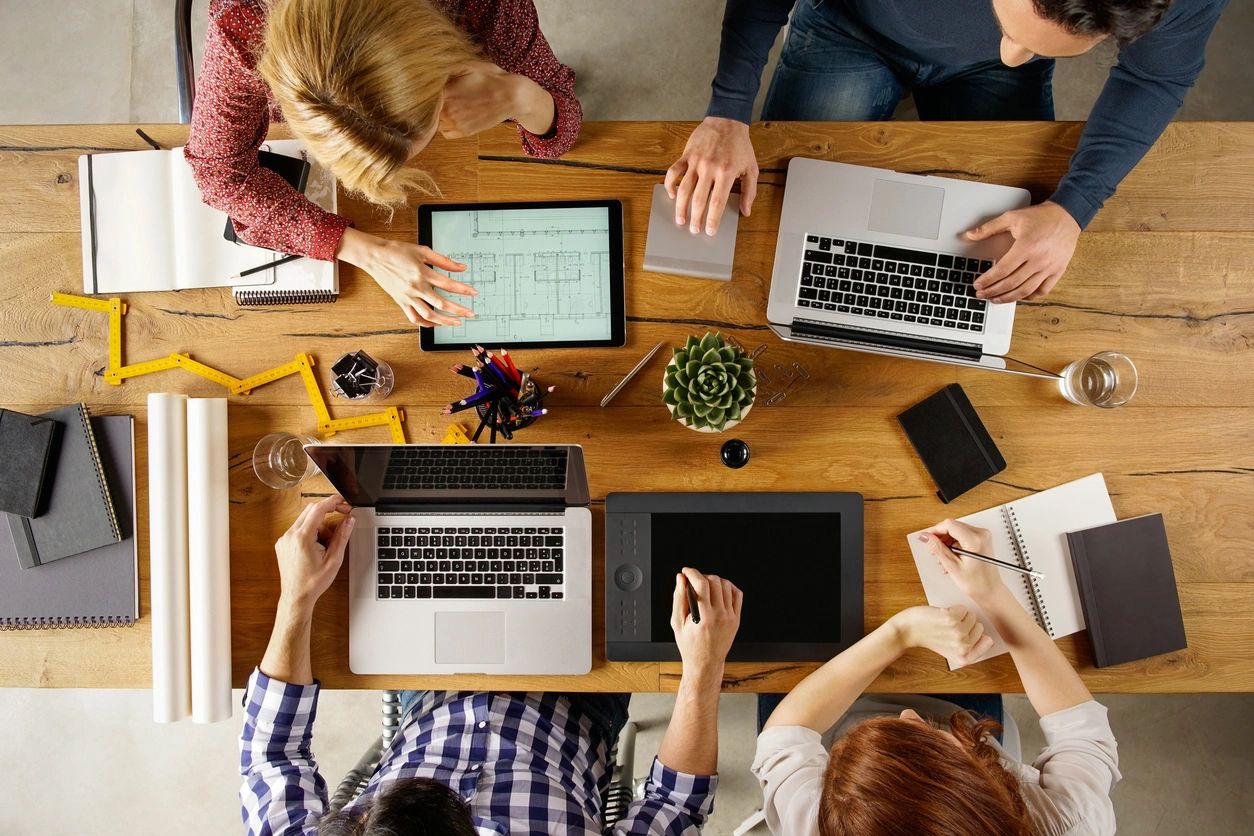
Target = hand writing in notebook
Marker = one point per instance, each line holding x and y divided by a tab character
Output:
310	553
407	272
975	578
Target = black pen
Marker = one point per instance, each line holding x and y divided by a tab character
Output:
261	267
694	612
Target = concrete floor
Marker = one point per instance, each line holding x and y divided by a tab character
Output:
1186	759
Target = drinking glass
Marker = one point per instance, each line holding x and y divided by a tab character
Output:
1107	379
280	461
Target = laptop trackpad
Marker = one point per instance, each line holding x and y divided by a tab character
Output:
470	638
906	209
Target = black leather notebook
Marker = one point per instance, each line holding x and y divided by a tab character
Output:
951	439
1127	590
80	514
27	445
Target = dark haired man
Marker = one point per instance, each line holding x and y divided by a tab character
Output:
466	763
853	60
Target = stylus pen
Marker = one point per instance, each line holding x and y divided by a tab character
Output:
241	274
996	562
693	610
631	374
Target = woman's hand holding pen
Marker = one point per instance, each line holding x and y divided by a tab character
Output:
974	577
406	271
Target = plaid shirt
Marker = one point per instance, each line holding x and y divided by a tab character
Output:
523	763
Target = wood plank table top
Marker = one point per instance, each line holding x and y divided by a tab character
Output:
1164	274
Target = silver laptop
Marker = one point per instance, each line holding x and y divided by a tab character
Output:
466	558
872	260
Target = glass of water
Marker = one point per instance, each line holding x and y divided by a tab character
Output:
280	461
1107	379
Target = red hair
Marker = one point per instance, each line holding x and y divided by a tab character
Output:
896	777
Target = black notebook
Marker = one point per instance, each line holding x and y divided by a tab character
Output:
80	515
27	444
951	439
96	589
1128	590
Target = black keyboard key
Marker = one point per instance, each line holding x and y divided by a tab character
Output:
804	293
964	315
977	318
549	580
825	244
900	254
384	540
877	264
985	266
465	592
864	249
385	577
864	263
851	248
818	256
389	565
516	579
929	273
504	592
385	592
945	260
544	592
424	592
463	578
812	239
410	592
916	270
552	541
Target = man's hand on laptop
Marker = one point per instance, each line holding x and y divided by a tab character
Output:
718	154
310	553
1045	236
703	644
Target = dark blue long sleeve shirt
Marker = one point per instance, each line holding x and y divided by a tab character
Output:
1142	93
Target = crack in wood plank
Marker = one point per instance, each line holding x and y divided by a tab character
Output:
1016	487
383	332
1231	471
36	343
890	498
201	314
39	148
1136	315
706	322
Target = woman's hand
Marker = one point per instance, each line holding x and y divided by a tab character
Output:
974	577
954	633
406	271
483	96
310	553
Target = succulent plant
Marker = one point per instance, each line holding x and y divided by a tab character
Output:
709	383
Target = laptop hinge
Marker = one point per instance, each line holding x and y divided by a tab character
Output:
475	508
970	351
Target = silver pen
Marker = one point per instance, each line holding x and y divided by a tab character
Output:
631	374
1001	563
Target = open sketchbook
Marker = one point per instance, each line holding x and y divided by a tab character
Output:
145	227
1032	533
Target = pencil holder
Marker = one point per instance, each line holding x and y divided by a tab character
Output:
505	399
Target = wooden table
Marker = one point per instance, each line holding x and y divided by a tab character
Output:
1163	274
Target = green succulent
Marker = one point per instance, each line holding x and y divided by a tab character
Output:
709	383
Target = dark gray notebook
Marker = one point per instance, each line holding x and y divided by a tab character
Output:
1128	590
94	589
80	515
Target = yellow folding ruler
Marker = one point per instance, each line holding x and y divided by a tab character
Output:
392	416
455	435
302	365
116	376
116	309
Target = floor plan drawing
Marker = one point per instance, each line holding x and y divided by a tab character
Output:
541	274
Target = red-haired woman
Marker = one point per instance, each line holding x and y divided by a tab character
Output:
921	766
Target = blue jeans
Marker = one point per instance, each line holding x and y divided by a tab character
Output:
608	712
833	68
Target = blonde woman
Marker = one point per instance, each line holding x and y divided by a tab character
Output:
366	84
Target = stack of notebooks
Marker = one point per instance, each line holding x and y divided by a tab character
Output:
1113	577
67	527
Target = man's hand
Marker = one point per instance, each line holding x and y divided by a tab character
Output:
483	96
310	553
717	154
406	271
703	646
1045	236
974	577
954	633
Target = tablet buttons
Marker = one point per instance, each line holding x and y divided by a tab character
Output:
628	577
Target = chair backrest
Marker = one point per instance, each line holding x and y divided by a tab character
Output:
184	64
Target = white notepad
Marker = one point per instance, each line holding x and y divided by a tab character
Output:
145	227
1029	532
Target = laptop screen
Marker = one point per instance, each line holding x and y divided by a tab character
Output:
371	474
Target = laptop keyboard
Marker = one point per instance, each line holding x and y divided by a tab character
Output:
467	467
880	282
471	562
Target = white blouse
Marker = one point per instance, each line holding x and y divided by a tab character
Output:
1066	789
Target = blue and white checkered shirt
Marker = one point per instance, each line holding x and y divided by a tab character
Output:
523	762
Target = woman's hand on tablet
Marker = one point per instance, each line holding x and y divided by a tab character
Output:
407	272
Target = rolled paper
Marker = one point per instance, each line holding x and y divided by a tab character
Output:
209	559
167	548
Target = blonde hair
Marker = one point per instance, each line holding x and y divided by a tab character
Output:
359	81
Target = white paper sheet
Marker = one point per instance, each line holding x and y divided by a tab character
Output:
209	559
167	546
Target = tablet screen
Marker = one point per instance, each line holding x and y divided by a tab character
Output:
787	565
545	274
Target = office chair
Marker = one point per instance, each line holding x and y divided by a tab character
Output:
622	789
184	64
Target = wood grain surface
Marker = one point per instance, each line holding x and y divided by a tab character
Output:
1163	274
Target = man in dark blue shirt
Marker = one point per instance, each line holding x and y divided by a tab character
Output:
961	59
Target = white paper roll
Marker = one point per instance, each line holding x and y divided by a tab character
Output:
167	548
209	558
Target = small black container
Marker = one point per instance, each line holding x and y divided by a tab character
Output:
734	453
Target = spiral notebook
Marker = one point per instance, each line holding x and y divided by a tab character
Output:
1032	533
98	588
